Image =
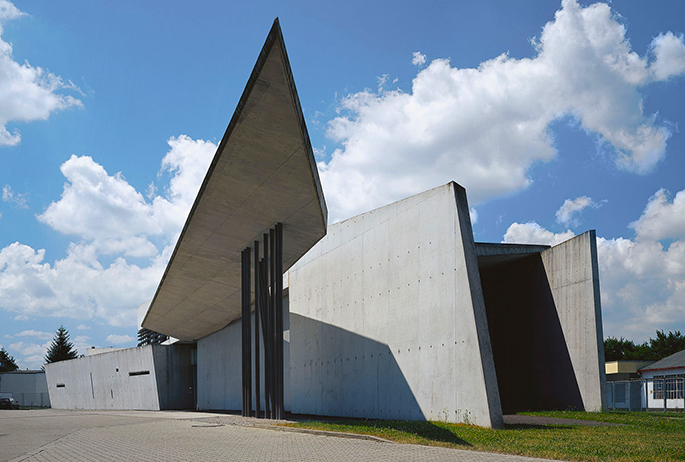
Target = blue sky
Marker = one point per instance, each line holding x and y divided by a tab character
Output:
556	117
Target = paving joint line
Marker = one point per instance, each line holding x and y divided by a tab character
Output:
354	436
30	454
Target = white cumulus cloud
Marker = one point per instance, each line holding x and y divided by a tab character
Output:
96	205
418	59
662	219
115	339
108	217
485	127
533	233
27	93
669	56
569	210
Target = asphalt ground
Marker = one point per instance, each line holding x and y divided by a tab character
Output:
73	436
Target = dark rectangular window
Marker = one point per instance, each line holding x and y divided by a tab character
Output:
60	385
139	373
674	386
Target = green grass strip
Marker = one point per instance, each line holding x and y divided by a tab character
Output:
640	436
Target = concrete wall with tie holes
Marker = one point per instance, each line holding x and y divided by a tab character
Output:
388	320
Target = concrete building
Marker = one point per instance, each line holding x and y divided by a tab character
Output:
28	387
396	313
665	383
153	377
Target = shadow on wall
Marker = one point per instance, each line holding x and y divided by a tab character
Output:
340	373
533	364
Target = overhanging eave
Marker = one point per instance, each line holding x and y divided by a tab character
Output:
263	173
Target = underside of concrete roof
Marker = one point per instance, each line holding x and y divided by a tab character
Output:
263	173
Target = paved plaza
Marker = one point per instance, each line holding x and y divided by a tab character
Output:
58	435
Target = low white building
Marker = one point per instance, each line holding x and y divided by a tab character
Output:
665	382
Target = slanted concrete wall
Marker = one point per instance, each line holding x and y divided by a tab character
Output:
573	274
103	381
131	378
388	319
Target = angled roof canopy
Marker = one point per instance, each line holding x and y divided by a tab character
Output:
263	173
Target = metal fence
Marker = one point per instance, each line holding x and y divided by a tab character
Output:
654	394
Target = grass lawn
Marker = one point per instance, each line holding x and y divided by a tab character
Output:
641	436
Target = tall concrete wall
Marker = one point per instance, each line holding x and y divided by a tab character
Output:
388	319
131	378
573	274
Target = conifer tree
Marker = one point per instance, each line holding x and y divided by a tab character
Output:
61	348
7	363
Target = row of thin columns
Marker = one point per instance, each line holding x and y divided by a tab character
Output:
268	319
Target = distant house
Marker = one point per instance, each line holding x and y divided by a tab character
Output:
624	387
666	382
29	388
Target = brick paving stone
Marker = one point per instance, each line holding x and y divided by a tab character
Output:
131	436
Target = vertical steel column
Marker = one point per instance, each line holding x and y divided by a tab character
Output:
278	305
268	344
242	325
256	329
246	332
272	308
268	290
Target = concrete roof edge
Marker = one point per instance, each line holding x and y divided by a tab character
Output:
303	125
275	34
506	248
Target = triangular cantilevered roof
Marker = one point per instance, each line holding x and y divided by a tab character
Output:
263	173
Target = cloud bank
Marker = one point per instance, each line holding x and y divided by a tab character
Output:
485	127
107	218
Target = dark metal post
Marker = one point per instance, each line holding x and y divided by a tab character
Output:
246	332
256	329
272	308
278	296
268	290
268	344
242	326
